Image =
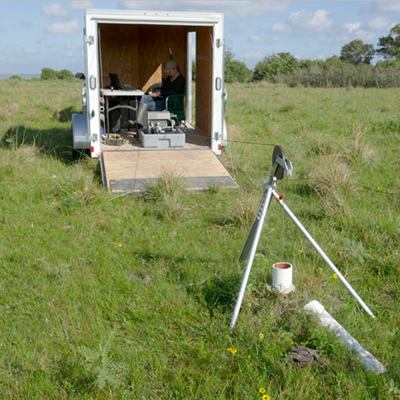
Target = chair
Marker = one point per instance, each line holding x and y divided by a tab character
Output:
175	104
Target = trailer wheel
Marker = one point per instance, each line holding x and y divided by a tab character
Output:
80	144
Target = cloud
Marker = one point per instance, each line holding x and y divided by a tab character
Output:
251	58
280	27
379	24
82	5
385	6
63	28
351	31
30	50
254	39
237	9
365	35
318	21
352	27
357	30
252	55
54	9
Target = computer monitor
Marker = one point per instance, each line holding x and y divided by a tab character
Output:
116	82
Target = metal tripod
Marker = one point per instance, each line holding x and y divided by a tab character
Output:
281	167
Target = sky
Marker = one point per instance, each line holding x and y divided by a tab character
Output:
49	34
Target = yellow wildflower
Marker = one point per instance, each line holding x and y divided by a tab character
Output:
262	390
335	276
261	335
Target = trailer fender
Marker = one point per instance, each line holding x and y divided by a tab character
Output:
80	137
224	141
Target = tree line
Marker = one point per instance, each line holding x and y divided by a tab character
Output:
352	68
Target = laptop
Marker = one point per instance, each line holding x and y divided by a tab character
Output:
116	82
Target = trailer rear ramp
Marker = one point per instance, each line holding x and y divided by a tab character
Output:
135	170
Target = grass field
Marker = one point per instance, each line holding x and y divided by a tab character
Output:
107	297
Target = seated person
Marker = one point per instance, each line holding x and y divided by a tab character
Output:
173	84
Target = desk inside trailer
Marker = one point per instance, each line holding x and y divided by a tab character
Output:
120	96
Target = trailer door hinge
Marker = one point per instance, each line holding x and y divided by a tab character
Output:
89	40
93	138
219	43
217	136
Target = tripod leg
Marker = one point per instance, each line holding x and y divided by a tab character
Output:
322	254
252	238
265	202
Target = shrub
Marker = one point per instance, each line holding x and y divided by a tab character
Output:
343	75
275	65
50	74
236	71
65	75
334	72
15	78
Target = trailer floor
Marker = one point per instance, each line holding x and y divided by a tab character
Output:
132	168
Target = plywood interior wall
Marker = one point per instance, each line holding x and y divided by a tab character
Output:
119	49
204	79
138	54
154	45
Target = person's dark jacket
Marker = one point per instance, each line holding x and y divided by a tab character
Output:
175	87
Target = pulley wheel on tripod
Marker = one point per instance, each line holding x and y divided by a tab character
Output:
280	171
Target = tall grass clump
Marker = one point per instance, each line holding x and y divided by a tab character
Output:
334	181
76	189
359	150
243	209
167	193
14	162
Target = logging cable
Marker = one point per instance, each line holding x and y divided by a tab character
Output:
283	221
253	143
273	145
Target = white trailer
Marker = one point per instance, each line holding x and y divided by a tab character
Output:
135	45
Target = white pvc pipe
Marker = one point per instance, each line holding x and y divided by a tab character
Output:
365	357
282	274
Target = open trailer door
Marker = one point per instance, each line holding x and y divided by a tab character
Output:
135	171
218	94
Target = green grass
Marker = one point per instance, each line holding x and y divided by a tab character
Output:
107	297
